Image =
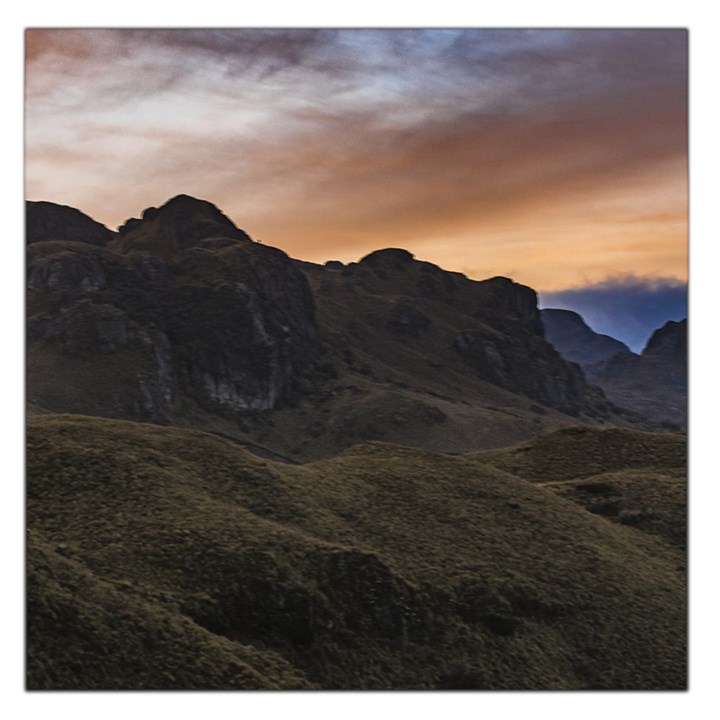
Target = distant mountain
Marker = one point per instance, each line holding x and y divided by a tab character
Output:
181	318
653	383
668	346
575	340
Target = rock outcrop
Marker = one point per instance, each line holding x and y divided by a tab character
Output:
180	317
182	304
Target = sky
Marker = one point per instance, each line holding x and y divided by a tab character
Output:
628	308
555	157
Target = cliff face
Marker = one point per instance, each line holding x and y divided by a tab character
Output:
393	308
181	306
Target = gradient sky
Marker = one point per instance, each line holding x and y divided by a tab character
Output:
555	157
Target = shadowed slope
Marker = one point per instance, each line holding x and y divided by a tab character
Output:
653	383
633	478
382	567
49	221
575	340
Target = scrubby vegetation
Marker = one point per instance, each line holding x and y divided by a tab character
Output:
169	558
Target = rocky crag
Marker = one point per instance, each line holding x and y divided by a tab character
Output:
178	308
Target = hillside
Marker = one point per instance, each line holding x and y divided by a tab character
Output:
635	479
246	471
167	558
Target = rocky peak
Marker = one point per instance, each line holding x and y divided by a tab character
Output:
668	343
180	306
182	222
46	221
388	257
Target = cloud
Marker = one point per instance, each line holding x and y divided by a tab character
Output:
627	308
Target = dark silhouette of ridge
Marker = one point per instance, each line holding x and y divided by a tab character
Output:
576	341
49	221
181	318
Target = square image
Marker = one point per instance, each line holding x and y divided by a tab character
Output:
356	359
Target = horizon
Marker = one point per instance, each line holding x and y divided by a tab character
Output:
555	157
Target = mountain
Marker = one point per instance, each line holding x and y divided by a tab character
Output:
653	383
570	335
178	311
180	318
48	221
246	471
161	557
668	346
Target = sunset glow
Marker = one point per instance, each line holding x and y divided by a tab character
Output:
555	157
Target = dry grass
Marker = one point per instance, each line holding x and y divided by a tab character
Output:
161	557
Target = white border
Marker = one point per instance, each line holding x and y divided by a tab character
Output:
703	323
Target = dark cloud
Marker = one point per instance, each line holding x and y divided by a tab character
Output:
265	51
627	308
554	69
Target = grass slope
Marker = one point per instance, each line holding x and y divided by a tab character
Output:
169	558
638	479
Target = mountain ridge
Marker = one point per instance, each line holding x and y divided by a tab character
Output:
182	318
653	383
575	340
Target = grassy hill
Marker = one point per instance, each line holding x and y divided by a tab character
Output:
167	558
636	479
